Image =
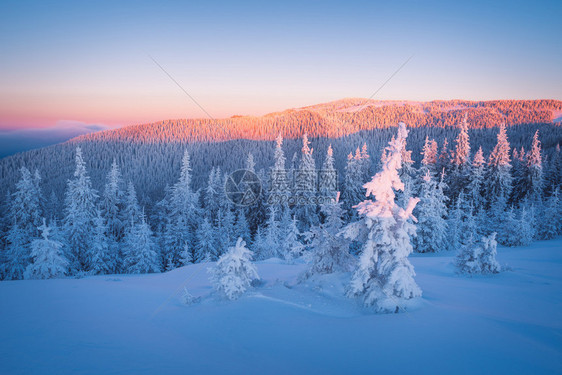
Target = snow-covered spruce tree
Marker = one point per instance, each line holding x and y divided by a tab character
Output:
461	168
352	191
517	227
140	248
550	223
48	258
328	183
429	160
112	211
476	181
479	258
444	160
407	174
271	247
291	246
329	249
241	228
461	224
279	187
80	212
553	175
111	204
498	178
384	278
225	230
259	245
24	212
211	196
530	185
100	260
305	186
256	212
234	271
184	212
206	245
186	256
431	212
17	255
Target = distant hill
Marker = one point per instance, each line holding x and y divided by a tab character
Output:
340	118
150	154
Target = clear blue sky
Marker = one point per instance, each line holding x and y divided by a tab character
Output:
88	61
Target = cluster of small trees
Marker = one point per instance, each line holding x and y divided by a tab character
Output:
462	197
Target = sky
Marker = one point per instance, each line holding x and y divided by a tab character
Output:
90	63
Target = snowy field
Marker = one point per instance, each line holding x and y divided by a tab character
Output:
509	323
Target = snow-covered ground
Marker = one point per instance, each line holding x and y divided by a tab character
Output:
509	323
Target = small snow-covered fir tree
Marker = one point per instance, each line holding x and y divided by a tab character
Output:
384	278
329	249
431	212
234	271
479	258
48	258
140	248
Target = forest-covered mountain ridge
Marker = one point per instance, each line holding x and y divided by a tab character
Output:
342	117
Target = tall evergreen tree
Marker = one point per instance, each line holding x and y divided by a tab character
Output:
498	178
80	212
24	211
184	212
476	180
530	184
305	185
328	182
384	278
429	160
460	174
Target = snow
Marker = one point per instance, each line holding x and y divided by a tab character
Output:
507	323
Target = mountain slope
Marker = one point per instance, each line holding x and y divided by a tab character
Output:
340	118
